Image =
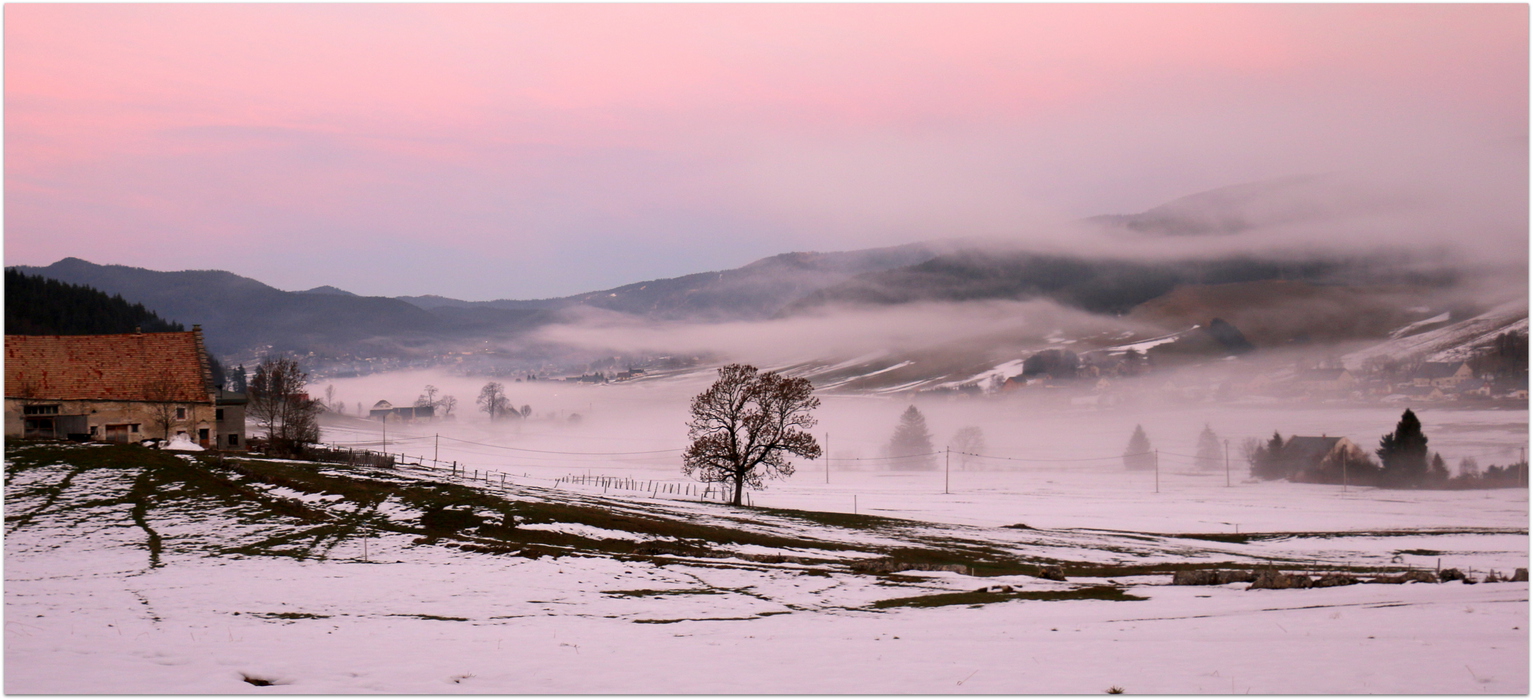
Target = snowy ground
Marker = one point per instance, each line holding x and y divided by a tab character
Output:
89	609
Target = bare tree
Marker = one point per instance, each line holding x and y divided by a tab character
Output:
161	392
330	398
745	426
492	400
968	442
448	403
279	405
428	397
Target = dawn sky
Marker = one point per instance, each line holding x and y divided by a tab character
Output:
519	151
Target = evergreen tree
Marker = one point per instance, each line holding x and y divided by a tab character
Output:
911	445
1439	471
1403	453
1267	460
1210	452
1138	455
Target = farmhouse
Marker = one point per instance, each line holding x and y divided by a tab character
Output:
118	388
1307	458
1442	374
383	410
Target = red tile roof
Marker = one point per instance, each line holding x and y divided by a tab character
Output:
126	367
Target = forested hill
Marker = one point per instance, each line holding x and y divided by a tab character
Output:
36	305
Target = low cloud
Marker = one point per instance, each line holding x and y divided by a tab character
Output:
837	331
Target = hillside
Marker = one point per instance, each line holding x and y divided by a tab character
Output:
1273	313
239	314
36	305
1455	342
1274	300
1096	285
188	573
243	315
755	291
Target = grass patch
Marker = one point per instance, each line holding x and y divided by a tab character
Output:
757	616
651	593
985	596
289	616
442	618
974	561
844	520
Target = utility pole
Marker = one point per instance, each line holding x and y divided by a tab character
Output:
437	447
947	467
1157	470
1226	463
384	419
1343	474
827	458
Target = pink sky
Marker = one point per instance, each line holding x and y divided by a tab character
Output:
515	151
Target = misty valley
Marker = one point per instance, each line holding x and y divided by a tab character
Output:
978	446
766	348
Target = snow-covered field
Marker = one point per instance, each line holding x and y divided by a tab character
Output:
348	605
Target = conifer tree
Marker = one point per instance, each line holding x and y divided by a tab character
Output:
1267	460
911	445
1403	453
1138	455
1439	471
1210	453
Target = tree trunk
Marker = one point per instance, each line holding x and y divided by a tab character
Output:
739	489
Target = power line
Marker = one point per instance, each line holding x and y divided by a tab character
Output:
1072	459
556	452
881	459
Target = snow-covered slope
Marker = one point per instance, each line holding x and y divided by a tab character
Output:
140	572
1454	342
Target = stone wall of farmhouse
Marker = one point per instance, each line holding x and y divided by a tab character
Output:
115	420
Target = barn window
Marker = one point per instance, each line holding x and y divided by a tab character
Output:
51	410
218	414
180	414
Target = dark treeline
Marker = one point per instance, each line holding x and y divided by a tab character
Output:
37	305
1506	357
1401	460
